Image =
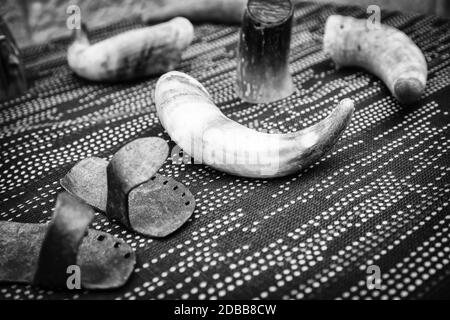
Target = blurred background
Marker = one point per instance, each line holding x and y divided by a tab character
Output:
36	21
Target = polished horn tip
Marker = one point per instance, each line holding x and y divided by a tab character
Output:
347	104
345	108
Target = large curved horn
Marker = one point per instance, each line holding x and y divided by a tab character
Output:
194	122
131	54
384	51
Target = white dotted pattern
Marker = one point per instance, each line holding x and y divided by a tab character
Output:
380	197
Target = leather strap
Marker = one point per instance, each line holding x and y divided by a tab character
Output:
134	164
65	233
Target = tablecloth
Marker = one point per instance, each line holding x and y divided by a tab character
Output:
378	201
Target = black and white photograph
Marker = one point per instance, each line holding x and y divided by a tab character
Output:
255	152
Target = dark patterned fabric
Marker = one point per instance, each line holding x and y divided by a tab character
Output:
380	198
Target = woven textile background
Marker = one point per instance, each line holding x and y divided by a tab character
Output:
381	197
